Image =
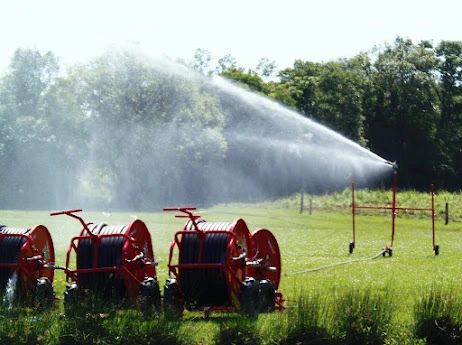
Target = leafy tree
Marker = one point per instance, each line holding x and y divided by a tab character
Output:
266	68
338	100
28	135
301	80
449	131
249	80
201	62
282	94
30	74
227	63
401	120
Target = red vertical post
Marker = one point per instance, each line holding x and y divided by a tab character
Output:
353	211
393	209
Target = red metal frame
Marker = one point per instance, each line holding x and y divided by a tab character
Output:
266	263
230	267
131	281
31	263
393	209
246	264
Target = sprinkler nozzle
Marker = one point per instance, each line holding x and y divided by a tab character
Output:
394	165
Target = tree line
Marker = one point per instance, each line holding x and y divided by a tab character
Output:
85	133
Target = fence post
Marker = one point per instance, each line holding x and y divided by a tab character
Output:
446	214
301	201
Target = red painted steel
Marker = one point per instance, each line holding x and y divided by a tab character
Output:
137	255
36	255
255	255
394	210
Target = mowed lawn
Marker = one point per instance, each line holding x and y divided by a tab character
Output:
314	247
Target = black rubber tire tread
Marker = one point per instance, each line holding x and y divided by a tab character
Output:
267	296
250	291
44	293
173	306
151	300
71	299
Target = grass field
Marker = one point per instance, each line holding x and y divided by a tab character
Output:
316	262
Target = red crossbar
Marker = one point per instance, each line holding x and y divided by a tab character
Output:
393	209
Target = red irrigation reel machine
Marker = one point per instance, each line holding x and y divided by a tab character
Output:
112	262
222	266
26	259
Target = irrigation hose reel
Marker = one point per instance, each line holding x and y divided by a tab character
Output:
222	266
114	262
26	259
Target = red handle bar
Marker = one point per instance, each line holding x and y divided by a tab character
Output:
65	212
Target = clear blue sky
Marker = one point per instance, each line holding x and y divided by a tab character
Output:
280	30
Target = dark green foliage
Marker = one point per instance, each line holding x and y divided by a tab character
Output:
437	317
250	80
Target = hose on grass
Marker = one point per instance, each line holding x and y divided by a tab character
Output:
337	264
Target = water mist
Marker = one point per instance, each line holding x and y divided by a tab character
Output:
220	143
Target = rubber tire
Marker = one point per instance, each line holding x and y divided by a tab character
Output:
250	295
267	296
71	298
173	307
437	249
150	297
351	247
44	294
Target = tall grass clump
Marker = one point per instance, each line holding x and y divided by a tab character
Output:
438	317
306	321
362	316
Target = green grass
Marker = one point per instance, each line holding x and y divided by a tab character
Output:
404	284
